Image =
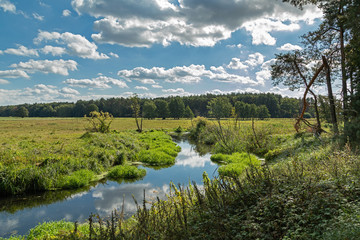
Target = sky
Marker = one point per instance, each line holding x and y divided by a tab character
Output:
63	51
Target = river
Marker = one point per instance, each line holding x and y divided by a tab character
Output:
19	214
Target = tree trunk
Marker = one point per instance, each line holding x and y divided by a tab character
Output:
331	96
343	77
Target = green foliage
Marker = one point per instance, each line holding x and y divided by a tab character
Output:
220	107
176	107
149	110
99	122
77	179
188	113
235	163
126	172
162	108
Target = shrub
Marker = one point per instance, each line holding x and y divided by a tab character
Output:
126	171
99	122
155	157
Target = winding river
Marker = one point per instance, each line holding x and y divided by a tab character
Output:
19	214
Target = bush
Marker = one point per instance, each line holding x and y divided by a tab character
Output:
126	171
99	122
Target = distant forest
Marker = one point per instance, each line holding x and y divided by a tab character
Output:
251	105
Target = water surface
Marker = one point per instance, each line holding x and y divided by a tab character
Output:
19	214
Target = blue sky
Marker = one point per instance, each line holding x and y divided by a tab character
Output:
88	49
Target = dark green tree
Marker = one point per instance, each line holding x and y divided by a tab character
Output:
188	113
162	108
22	112
149	110
176	107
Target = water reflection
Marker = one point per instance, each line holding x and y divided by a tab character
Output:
18	215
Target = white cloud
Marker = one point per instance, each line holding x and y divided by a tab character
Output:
289	47
234	46
67	90
37	93
7	6
156	86
235	63
265	73
185	74
141	88
66	13
245	90
178	90
261	28
38	17
14	74
101	82
255	59
144	23
55	51
76	44
22	51
3	81
61	66
114	55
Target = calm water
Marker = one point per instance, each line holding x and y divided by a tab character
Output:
18	215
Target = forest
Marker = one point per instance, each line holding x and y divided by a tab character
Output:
276	105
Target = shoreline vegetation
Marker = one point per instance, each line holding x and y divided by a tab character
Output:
305	189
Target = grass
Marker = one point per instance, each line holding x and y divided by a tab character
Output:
46	154
126	172
235	164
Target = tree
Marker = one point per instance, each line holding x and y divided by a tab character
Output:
65	110
292	70
149	110
188	113
263	112
92	107
240	109
220	107
162	108
176	107
135	106
22	112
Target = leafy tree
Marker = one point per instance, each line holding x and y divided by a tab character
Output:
240	109
188	113
22	112
263	112
176	107
92	108
220	107
149	110
162	108
135	106
65	110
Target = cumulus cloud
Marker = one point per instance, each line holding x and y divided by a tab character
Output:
76	44
66	13
22	51
185	74
235	63
255	59
101	82
141	88
61	66
55	51
178	90
144	23
289	47
7	6
14	74
265	72
37	93
260	30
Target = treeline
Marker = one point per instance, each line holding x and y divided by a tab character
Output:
262	105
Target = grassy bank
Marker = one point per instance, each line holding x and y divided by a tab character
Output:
33	162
